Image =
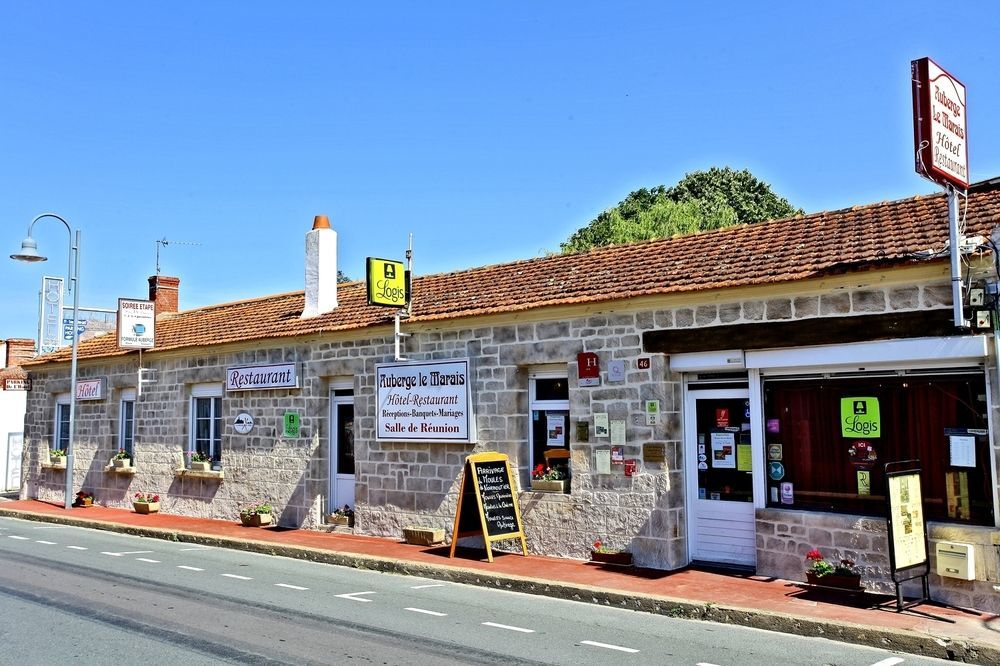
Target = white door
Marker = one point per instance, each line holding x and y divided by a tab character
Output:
341	451
720	478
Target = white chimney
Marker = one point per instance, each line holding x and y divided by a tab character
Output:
321	269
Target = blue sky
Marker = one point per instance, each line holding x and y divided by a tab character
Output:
491	131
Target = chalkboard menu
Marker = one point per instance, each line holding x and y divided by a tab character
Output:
487	503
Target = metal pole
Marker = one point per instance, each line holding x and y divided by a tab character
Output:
70	445
956	269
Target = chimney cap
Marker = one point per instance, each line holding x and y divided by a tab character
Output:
321	222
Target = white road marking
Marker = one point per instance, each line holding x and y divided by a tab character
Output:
127	552
507	626
891	661
49	527
181	566
77	547
424	587
47	543
608	646
354	596
19	538
291	587
146	559
198	548
427	612
236	577
705	663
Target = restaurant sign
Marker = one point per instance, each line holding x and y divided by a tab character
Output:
259	377
940	128
424	401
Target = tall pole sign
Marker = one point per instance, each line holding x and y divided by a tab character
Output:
940	130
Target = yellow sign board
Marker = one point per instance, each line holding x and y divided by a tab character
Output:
386	282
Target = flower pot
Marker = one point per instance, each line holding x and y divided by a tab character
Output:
146	507
255	519
58	461
623	559
835	580
87	502
339	520
541	485
201	466
122	462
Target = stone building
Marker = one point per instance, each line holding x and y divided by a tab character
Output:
697	384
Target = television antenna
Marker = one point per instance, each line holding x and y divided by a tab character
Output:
163	241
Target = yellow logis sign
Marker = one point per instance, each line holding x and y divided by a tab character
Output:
386	282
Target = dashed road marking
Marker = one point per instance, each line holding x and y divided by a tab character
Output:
49	527
19	538
198	548
891	661
47	543
183	566
77	547
424	587
146	559
508	627
291	587
354	596
705	663
127	552
236	577
427	612
608	646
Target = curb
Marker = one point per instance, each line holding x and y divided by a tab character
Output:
897	640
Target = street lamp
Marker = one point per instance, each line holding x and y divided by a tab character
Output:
29	253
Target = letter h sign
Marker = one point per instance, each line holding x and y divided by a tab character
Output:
588	368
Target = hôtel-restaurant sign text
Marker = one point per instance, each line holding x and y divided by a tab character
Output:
424	401
256	377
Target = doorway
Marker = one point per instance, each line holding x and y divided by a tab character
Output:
720	479
341	450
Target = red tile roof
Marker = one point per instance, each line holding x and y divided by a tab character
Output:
861	238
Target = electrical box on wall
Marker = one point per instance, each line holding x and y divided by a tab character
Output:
956	560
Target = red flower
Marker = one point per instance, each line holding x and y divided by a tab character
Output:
814	555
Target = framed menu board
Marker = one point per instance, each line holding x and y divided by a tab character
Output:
906	530
487	503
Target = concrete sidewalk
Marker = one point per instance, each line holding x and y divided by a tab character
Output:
766	603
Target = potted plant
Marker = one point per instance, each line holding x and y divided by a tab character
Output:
256	515
201	462
83	498
57	457
548	479
146	502
344	516
122	459
604	555
844	575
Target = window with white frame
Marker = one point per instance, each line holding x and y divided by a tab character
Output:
206	421
126	423
60	438
548	400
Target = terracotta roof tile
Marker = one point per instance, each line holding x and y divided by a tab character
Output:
857	238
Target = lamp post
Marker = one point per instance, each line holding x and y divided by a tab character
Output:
29	253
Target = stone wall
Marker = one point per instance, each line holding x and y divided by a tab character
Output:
785	536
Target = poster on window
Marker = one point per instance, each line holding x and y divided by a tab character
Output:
724	450
555	428
907	520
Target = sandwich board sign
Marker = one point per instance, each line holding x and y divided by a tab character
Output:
487	503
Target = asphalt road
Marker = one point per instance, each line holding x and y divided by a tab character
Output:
95	597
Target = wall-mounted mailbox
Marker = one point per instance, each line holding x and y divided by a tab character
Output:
956	560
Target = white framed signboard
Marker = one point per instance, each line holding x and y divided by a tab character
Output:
259	377
906	516
429	400
136	324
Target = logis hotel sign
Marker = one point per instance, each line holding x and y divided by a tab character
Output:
424	401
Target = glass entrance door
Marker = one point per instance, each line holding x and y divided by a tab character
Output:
341	452
720	476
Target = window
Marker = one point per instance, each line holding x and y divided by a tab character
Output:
60	440
548	397
206	421
919	415
126	422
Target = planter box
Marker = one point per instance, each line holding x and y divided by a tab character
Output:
201	466
550	486
423	536
620	559
255	520
58	461
852	583
334	519
122	462
146	507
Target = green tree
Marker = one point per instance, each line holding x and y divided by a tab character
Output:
702	200
341	277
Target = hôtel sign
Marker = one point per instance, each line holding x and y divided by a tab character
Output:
90	389
940	127
424	401
259	377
